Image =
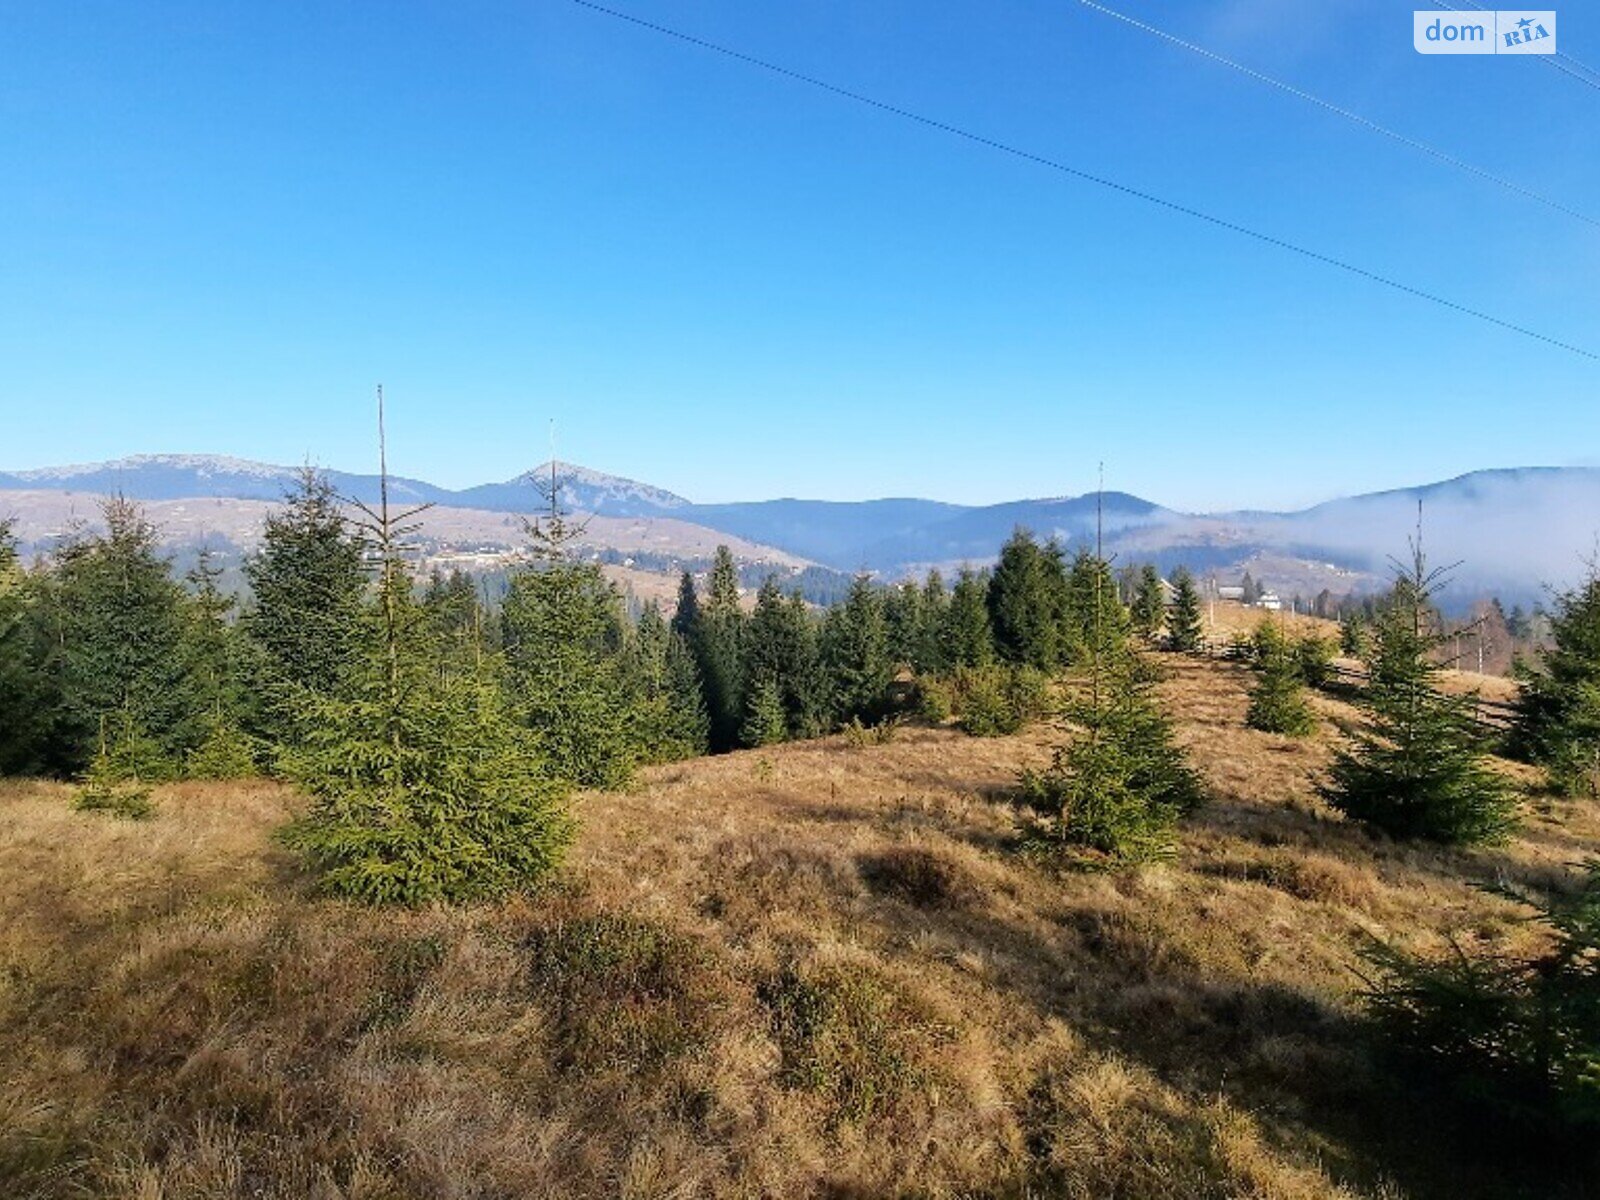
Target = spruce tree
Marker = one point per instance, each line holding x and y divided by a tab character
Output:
932	656
27	703
1518	1037
1026	590
1277	702
765	721
423	787
121	622
1558	712
902	611
307	581
1118	785
781	651
1183	619
969	637
1417	769
456	618
562	631
213	652
1094	618
1149	604
855	654
668	707
719	651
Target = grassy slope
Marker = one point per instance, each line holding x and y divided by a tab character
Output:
811	970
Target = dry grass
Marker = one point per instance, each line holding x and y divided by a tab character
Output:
810	970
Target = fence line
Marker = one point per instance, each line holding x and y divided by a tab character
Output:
1495	716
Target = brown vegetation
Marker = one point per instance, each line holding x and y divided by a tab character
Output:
811	970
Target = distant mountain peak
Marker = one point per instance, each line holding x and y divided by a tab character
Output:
586	488
199	464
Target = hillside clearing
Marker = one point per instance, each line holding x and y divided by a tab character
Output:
816	969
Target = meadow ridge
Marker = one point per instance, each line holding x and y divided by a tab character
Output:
810	969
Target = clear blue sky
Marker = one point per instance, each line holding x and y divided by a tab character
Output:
221	224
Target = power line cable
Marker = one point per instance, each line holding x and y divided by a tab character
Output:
1347	114
1587	75
1085	176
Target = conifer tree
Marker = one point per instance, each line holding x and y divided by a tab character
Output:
781	651
669	710
120	618
765	721
1518	1037
1183	620
1352	635
1095	620
902	611
1119	783
456	618
26	702
1278	702
1025	598
562	631
307	580
1149	604
855	654
224	750
423	787
1558	712
932	656
1417	769
969	637
686	616
719	651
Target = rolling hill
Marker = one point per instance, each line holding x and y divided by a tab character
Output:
1514	532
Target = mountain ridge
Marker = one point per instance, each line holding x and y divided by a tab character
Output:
1518	528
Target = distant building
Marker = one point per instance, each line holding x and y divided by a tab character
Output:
1229	591
1270	601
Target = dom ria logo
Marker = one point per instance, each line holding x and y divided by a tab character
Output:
1518	32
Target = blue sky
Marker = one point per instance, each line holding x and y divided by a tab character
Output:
221	224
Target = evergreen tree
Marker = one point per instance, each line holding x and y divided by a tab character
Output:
1118	785
1183	621
765	721
781	651
719	651
1417	769
121	623
1095	620
308	580
1278	702
1519	1037
932	657
855	654
1149	604
686	616
1026	590
27	704
1558	712
562	631
455	617
423	787
902	612
1352	635
669	709
969	637
215	663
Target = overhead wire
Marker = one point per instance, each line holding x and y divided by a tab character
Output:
1083	175
1354	117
